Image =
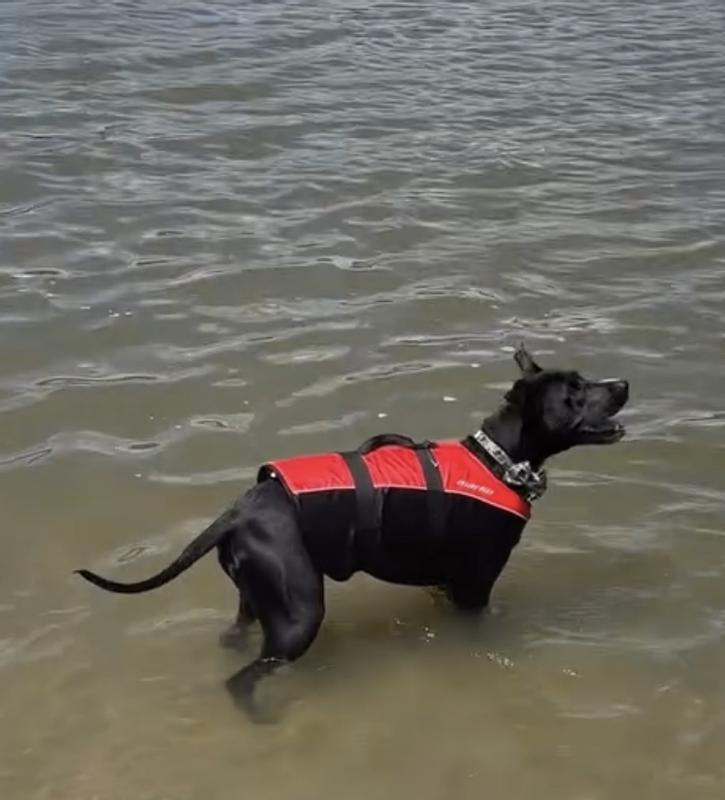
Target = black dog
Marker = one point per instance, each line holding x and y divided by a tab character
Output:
423	514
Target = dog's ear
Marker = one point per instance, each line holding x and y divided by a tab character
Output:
526	363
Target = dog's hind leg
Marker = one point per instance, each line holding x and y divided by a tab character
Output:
288	632
283	643
235	636
287	594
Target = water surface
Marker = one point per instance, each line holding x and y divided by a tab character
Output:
236	231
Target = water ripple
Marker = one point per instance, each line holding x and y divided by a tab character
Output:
227	230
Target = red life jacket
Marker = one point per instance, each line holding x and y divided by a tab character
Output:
398	467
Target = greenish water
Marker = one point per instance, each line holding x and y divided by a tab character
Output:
233	231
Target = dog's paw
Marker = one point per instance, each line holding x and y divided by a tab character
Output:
439	595
244	698
234	637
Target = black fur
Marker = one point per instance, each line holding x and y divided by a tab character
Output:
278	568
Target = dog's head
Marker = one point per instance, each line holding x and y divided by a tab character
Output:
560	409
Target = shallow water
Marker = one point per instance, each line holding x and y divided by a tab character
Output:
231	231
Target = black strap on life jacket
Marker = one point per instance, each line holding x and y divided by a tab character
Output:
368	504
434	495
368	507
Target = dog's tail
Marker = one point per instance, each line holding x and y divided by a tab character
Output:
203	543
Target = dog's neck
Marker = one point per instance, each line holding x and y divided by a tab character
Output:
500	444
506	428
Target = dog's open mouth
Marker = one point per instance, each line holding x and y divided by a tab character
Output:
607	432
604	430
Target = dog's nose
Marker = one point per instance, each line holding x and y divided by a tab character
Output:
621	390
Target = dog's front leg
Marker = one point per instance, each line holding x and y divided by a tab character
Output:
471	599
470	586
